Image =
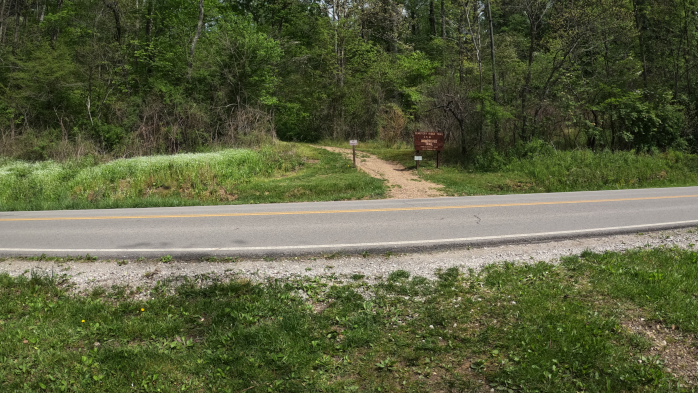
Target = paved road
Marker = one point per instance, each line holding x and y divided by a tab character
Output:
351	226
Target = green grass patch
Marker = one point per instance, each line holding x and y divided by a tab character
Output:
537	167
510	327
277	173
662	281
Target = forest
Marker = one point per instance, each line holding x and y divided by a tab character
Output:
138	77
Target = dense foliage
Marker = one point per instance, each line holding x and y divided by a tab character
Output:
144	76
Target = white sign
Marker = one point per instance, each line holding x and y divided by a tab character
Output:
353	142
418	158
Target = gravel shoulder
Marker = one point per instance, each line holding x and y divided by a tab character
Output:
402	183
143	275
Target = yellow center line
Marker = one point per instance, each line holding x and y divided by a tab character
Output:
394	209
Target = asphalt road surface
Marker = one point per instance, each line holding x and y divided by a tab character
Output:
347	227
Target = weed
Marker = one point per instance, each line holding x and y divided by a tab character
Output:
122	262
98	292
547	170
357	277
219	259
515	327
398	275
166	258
67	258
386	364
275	173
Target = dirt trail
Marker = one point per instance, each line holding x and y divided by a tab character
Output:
401	182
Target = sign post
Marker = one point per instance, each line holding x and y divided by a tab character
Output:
428	141
353	144
417	159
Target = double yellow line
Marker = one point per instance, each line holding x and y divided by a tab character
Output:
341	211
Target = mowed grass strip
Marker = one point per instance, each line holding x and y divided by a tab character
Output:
537	167
510	327
277	173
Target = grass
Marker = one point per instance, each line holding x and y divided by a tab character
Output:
286	172
276	173
510	327
537	167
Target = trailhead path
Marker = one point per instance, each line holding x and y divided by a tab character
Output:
402	183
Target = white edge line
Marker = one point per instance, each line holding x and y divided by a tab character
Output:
353	245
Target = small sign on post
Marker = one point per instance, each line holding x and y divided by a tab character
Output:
353	143
428	141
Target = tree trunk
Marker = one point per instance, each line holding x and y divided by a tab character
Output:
686	49
196	38
149	36
341	60
43	12
494	73
461	51
475	36
527	82
395	21
56	30
443	19
2	19
114	7
689	82
149	21
432	18
15	42
413	22
339	78
477	44
641	38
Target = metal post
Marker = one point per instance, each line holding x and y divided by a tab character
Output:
438	158
353	153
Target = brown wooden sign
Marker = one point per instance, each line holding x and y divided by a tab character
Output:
428	141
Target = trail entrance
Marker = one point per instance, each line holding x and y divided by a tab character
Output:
402	183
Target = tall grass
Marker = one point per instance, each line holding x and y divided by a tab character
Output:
227	176
580	170
537	167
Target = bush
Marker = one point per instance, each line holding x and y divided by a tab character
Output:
392	123
490	160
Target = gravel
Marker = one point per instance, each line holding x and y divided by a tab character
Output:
402	183
143	275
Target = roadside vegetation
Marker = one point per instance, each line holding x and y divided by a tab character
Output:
279	172
607	322
137	79
538	167
292	172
